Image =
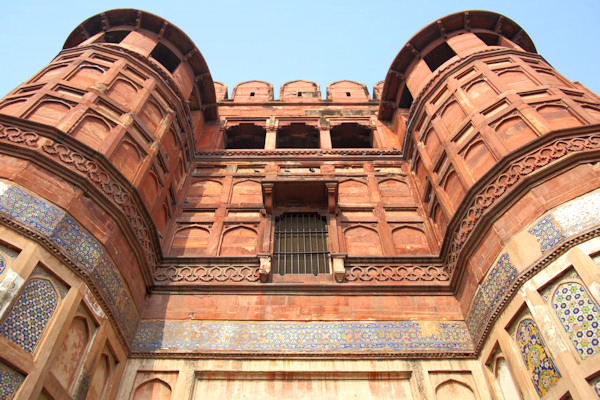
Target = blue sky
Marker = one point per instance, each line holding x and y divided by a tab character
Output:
322	41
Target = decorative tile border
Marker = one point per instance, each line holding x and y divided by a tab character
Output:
490	293
304	338
578	215
41	219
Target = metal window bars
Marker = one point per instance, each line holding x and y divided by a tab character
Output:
300	245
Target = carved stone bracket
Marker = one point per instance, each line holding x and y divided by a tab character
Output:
332	191
337	266
267	189
264	271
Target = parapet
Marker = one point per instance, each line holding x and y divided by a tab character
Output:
253	91
300	91
347	91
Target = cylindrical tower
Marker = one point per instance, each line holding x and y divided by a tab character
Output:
132	87
469	90
95	149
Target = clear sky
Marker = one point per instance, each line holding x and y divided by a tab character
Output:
317	40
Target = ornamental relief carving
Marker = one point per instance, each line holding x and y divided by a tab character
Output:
393	273
207	274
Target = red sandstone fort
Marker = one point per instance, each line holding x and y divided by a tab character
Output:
436	237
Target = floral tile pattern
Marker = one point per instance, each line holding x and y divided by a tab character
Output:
303	337
10	380
548	291
7	256
596	385
579	316
542	371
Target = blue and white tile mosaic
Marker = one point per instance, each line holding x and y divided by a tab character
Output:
579	215
303	337
547	233
10	380
490	293
27	319
567	220
55	225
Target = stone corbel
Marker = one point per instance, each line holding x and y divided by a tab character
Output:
337	266
267	189
332	188
264	271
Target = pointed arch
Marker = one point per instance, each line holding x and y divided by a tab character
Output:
452	115
453	188
362	240
205	191
127	159
87	75
123	91
247	191
239	241
452	389
353	191
558	116
410	240
74	346
149	189
394	190
190	241
92	131
515	132
478	158
154	389
49	112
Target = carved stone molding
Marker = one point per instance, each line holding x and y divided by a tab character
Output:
207	274
392	273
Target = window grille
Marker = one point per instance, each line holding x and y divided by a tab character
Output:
300	245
